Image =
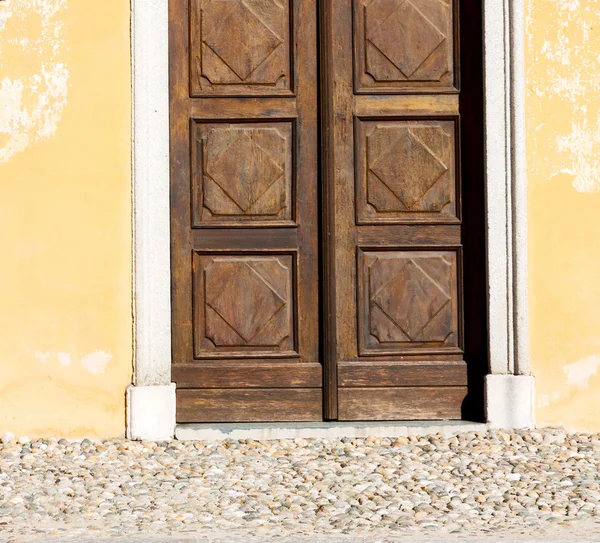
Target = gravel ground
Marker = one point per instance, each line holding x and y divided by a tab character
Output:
498	484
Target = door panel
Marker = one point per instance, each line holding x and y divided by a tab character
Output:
244	210
407	303
405	45
242	173
246	306
406	171
393	196
241	47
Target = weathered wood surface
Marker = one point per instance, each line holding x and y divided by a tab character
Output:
244	202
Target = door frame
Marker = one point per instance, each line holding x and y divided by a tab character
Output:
509	385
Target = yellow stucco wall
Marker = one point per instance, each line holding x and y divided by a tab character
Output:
563	123
65	217
65	214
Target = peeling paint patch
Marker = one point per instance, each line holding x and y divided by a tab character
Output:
564	81
547	399
96	362
64	359
579	373
42	356
568	5
31	106
583	144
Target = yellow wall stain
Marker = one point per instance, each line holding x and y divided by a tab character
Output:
65	216
563	123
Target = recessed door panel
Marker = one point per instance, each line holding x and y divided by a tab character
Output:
407	171
405	46
243	174
241	47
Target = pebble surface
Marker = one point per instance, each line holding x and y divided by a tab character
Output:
477	481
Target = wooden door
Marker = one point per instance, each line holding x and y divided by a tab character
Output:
394	251
244	185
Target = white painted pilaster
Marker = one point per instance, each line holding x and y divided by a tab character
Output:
150	34
506	186
151	399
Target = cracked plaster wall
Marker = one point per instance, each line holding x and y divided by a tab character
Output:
65	217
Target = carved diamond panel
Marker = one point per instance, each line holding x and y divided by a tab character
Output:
242	173
404	44
406	172
243	305
240	47
408	301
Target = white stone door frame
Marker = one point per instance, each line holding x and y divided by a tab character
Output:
509	385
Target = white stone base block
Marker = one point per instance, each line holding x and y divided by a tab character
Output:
509	401
151	412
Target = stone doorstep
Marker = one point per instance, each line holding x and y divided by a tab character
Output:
327	430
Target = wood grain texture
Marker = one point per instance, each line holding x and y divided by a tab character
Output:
394	136
244	306
342	284
406	172
250	405
241	108
408	236
408	302
248	307
405	45
244	185
407	105
426	373
242	173
405	403
328	216
257	374
240	47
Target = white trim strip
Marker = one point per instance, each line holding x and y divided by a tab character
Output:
506	186
519	190
497	181
152	264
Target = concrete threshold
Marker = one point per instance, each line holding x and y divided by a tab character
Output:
333	430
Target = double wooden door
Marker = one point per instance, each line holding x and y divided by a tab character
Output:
318	231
